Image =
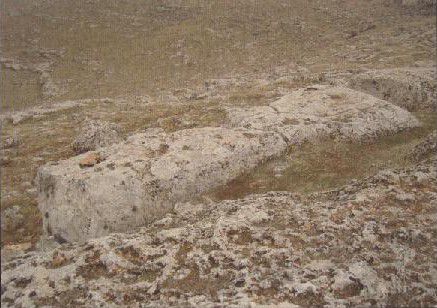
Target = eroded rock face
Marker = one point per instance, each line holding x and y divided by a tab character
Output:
323	111
95	135
410	88
135	182
355	246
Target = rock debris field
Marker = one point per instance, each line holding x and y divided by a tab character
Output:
174	174
370	242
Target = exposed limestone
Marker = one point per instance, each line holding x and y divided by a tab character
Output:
127	185
410	88
355	246
325	111
95	135
140	180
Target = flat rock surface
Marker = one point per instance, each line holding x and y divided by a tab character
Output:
323	111
362	244
134	182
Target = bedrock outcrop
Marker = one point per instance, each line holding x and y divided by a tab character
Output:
130	184
370	243
323	111
411	88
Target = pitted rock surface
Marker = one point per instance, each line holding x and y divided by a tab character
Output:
135	182
323	111
96	134
358	245
410	88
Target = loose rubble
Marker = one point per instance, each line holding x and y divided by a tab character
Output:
358	245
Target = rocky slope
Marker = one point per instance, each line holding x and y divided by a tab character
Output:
371	242
255	100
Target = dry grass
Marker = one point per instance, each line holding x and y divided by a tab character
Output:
329	164
133	47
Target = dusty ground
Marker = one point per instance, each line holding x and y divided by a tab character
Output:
179	64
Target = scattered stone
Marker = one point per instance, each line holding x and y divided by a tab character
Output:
253	252
96	134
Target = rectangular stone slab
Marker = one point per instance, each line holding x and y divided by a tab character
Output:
130	184
323	111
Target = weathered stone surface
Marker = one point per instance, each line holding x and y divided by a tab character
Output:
425	148
140	180
325	111
96	134
354	246
410	88
90	160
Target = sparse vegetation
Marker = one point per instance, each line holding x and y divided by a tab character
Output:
310	224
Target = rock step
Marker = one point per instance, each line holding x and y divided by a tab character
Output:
130	184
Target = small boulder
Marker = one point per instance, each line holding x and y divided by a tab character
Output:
95	135
90	160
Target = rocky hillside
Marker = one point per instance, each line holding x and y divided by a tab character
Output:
218	154
370	242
